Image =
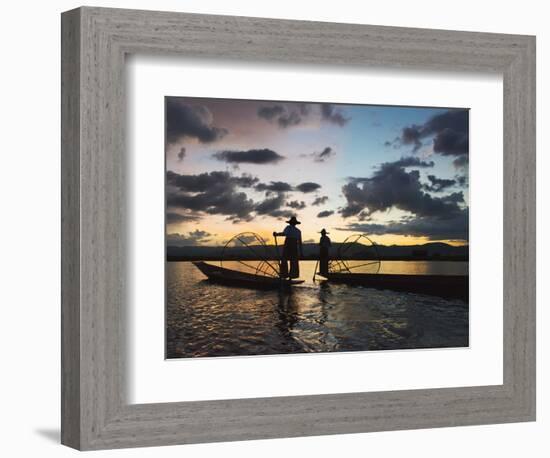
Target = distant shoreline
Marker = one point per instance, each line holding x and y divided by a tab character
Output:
434	251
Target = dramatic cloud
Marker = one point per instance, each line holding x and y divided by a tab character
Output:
308	186
271	206
454	228
324	155
462	180
292	114
461	162
218	193
231	203
449	131
209	180
412	161
181	154
297	205
438	184
274	186
211	193
333	115
391	186
455	197
319	200
269	113
252	156
287	115
285	214
411	136
173	217
190	121
283	186
451	143
325	213
193	238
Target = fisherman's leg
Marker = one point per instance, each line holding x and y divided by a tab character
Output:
283	270
323	262
323	266
294	268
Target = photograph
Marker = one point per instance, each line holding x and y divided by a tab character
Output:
275	229
296	227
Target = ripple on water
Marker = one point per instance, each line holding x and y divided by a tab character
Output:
204	319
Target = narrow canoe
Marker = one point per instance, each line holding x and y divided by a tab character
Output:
238	279
455	286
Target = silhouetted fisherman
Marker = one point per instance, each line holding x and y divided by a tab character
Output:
324	246
292	249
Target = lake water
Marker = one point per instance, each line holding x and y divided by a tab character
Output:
205	319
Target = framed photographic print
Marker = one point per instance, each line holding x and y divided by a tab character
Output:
286	228
271	178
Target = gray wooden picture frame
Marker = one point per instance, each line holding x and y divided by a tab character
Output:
95	410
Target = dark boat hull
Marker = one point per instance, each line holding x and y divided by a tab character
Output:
452	286
238	279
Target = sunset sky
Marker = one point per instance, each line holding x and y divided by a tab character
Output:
398	174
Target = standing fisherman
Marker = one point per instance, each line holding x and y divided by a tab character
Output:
292	249
324	246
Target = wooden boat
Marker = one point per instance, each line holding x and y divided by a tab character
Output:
451	286
235	278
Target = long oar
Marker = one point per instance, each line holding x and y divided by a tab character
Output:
278	255
315	270
277	247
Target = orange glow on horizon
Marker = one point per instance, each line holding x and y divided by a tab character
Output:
223	231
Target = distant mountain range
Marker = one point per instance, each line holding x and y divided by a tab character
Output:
428	251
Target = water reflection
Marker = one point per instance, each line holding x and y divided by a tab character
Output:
287	312
204	319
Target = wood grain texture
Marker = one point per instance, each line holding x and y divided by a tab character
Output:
70	229
96	413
